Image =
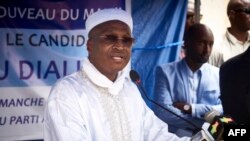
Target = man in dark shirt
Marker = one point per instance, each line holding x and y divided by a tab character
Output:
235	87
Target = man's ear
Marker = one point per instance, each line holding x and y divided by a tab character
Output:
90	45
185	45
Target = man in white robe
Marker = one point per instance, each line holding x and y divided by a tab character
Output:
100	102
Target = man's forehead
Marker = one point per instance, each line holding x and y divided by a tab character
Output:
240	4
110	26
246	1
111	23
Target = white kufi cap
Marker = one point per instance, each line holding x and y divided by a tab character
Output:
190	7
105	15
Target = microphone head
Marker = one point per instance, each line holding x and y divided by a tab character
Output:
209	116
134	76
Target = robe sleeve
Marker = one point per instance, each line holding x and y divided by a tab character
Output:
63	121
157	130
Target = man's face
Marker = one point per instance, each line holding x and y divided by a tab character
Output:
240	16
109	47
201	46
189	19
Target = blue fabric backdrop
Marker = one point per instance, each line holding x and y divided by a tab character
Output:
158	29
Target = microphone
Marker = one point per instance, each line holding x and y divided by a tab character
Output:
205	134
136	79
209	116
217	124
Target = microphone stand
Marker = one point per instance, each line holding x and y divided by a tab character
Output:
136	79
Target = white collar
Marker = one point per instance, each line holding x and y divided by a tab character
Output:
102	81
232	39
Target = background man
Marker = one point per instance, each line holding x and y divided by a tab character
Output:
236	39
235	87
189	87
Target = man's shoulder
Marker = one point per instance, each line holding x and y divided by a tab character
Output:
211	69
216	57
232	63
169	65
168	68
68	77
68	80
